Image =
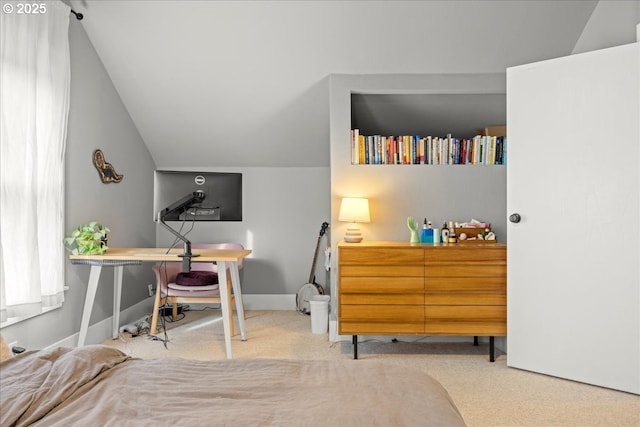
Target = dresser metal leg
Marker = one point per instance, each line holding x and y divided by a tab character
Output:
492	352
475	340
354	339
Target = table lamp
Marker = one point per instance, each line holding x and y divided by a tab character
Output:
353	210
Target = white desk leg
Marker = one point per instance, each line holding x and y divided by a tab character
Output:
237	294
92	287
224	303
117	295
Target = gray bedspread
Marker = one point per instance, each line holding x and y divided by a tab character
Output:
101	386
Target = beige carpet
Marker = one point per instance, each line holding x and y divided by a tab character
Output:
487	394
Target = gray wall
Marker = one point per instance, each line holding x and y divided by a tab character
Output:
612	23
97	119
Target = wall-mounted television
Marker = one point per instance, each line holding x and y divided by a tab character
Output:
222	195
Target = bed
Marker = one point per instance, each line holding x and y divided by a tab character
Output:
101	386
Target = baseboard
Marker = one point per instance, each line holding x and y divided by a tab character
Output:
101	331
333	331
269	301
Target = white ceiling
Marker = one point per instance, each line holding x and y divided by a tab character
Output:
245	83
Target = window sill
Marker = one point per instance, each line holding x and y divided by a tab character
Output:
13	320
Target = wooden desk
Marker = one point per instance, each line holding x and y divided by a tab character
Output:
119	257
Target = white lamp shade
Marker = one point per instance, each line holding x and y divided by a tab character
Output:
354	209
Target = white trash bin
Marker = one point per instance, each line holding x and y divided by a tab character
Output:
319	305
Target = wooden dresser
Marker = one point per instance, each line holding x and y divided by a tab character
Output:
398	288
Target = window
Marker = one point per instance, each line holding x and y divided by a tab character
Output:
34	107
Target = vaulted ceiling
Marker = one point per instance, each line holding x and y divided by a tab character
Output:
246	83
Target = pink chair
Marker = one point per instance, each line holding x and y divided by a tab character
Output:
167	291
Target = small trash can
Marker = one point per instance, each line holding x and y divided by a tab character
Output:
319	305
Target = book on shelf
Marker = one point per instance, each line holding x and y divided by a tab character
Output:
427	150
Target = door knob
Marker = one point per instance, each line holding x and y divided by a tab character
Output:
515	218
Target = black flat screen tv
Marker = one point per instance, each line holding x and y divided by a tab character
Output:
222	191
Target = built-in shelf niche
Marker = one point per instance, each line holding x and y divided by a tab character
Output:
434	114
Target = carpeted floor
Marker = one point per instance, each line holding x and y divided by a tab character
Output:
487	394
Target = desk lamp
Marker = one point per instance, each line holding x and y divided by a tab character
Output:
353	210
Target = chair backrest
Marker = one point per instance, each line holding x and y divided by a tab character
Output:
204	266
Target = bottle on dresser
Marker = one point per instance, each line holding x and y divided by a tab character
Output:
444	233
452	233
427	232
436	235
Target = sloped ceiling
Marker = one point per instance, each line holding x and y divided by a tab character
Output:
245	83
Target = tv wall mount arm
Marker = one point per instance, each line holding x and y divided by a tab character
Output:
173	212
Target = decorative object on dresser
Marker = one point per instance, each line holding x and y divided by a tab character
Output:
353	210
399	288
413	229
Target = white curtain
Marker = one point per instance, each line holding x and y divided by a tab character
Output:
34	80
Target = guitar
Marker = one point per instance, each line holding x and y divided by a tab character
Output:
311	288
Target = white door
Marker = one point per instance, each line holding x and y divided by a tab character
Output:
574	256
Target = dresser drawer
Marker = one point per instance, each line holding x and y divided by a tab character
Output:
381	256
466	284
465	253
466	320
381	312
358	284
374	327
382	271
466	291
466	298
382	298
468	269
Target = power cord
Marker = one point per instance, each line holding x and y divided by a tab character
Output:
218	307
162	318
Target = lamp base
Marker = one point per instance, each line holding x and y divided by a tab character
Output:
353	235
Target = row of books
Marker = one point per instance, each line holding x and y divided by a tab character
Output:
427	150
